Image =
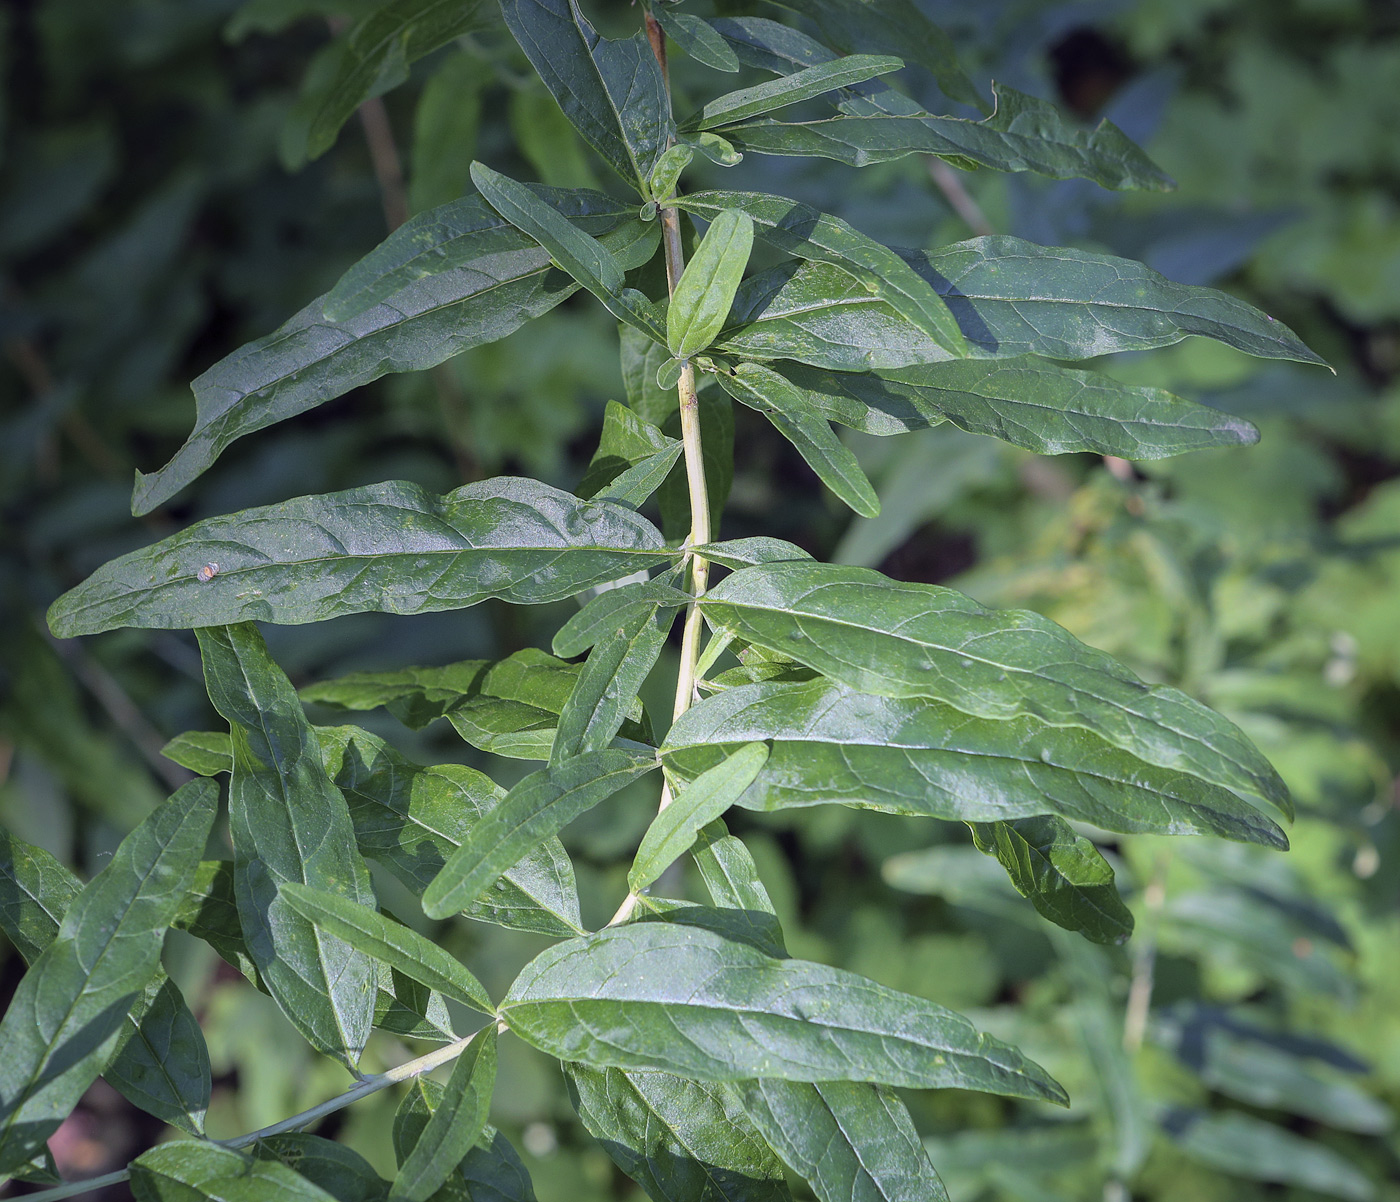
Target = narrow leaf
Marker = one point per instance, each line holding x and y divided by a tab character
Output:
786	407
66	1016
831	744
895	639
677	1138
203	752
454	1125
491	1170
1062	873
1027	402
684	1000
596	620
627	440
791	89
611	91
674	830
502	284
607	687
736	553
392	942
189	1171
289	825
851	1141
806	233
706	289
697	37
344	1174
539	806
389	547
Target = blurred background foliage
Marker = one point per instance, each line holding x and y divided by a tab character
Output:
157	211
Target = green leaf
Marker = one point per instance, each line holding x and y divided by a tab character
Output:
677	1138
736	553
627	440
162	1064
831	744
491	1171
916	640
1027	402
446	124
611	91
851	1141
68	1014
786	407
684	1000
1248	1147
289	825
392	942
189	1171
344	1174
390	547
539	806
697	37
597	620
1062	873
806	233
891	27
203	752
729	872
412	820
640	359
415	696
495	279
614	672
1009	297
701	300
790	89
675	828
454	1125
374	57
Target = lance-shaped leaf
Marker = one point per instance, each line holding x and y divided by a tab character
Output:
1063	874
1027	402
697	37
607	687
851	1141
895	639
374	56
495	282
611	91
412	820
392	942
390	547
415	696
745	103
892	27
677	1138
706	289
289	825
835	464
344	1174
627	440
685	1000
454	1125
67	1015
919	756
190	1171
162	1064
807	233
674	830
1009	297
539	806
491	1170
736	553
598	619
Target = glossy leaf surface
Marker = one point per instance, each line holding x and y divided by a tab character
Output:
627	440
597	620
611	91
491	1171
618	999
344	1174
801	85
186	1171
697	37
538	807
389	547
701	299
806	233
393	943
1025	401
677	1138
895	639
67	1015
1061	872
831	744
496	280
674	830
289	824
